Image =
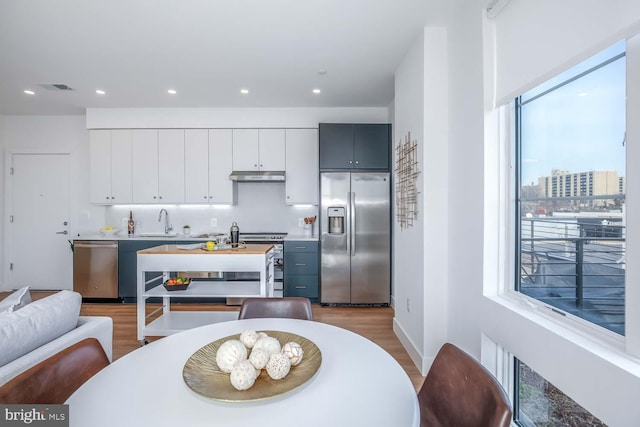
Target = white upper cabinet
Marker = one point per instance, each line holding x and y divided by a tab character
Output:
110	166
301	179
208	157
144	149
158	165
221	188
245	150
271	149
196	158
258	149
171	165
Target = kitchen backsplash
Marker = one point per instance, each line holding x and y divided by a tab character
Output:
259	207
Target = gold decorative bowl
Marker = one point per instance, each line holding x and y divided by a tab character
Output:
203	376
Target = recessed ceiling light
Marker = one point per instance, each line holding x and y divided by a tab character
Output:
322	72
316	91
100	92
29	92
244	91
583	94
172	92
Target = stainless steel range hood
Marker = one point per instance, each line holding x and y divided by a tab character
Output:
251	176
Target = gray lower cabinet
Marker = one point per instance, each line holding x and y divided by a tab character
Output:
301	271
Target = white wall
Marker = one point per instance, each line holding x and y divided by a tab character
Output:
408	244
597	375
112	118
420	292
260	207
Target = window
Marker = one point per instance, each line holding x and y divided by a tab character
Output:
542	404
570	168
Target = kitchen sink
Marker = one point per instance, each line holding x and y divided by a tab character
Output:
158	235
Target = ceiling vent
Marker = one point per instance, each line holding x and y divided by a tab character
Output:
55	86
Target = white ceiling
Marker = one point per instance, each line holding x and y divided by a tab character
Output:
207	50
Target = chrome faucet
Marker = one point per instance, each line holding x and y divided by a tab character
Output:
167	226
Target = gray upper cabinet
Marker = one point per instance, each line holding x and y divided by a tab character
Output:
346	146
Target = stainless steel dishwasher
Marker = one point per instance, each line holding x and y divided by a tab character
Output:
95	268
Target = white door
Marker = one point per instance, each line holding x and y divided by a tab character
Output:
39	253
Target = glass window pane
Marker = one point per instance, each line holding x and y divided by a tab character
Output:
571	170
541	404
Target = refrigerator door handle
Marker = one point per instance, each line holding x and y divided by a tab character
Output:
353	223
348	222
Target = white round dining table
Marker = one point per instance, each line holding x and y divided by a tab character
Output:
357	384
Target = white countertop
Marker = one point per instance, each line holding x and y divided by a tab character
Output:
302	237
124	236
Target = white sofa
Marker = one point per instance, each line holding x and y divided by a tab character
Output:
37	330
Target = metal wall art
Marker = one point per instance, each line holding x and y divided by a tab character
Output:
406	181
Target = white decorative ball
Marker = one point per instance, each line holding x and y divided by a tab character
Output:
294	352
229	354
262	335
278	366
259	358
249	338
243	375
269	344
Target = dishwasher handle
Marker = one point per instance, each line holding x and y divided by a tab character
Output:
79	245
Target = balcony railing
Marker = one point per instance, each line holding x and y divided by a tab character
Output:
576	266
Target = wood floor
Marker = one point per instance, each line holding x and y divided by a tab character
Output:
374	323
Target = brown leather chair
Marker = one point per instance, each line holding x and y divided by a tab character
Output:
290	307
459	392
53	380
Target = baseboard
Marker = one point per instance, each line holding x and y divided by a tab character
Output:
414	353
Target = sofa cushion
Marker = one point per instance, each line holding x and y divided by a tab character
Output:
37	323
16	300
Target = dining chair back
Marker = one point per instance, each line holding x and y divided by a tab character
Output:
289	307
459	391
54	379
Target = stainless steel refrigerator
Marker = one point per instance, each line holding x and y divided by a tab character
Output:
355	238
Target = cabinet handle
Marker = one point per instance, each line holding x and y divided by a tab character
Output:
350	162
154	197
255	165
112	198
260	164
159	197
357	162
205	197
301	247
301	265
301	287
107	197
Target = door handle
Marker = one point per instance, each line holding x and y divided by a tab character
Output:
62	232
353	223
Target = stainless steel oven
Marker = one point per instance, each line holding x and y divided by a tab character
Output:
278	267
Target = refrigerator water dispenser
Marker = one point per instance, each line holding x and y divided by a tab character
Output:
336	219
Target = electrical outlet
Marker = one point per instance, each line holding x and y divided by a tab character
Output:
214	222
300	222
408	305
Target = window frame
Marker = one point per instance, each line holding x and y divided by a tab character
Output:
512	131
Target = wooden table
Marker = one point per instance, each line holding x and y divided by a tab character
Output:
358	384
169	258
